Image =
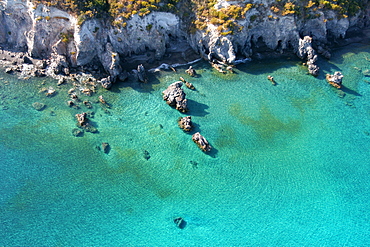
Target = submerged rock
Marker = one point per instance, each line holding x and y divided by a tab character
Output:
175	96
335	80
185	123
180	222
201	142
38	106
105	147
83	123
146	155
77	132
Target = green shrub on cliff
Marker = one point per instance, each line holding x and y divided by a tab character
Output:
197	14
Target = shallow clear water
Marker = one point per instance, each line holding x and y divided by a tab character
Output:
290	164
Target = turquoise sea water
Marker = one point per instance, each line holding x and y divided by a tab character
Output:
290	164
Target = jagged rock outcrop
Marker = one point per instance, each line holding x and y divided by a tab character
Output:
335	79
185	123
201	142
47	32
305	50
175	96
141	74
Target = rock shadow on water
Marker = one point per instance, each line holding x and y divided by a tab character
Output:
196	108
213	153
349	91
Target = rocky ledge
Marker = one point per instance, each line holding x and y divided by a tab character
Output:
64	44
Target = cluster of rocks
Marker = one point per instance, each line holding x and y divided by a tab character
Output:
174	95
187	84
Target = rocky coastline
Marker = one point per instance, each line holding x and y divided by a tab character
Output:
39	40
56	44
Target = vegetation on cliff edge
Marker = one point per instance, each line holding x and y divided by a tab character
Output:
200	13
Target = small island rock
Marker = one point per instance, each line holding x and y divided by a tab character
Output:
201	142
335	80
175	96
185	123
191	71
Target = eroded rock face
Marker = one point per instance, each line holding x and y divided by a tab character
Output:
42	31
201	142
305	50
335	79
174	95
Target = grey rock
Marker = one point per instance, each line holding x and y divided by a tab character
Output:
141	74
335	79
201	142
185	123
175	96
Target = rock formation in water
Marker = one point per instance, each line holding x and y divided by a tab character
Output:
175	96
141	74
38	106
335	79
185	123
305	50
83	122
201	142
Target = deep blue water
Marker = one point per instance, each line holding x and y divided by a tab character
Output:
290	164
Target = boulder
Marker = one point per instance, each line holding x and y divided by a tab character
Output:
180	222
106	82
57	64
81	119
201	142
185	123
175	96
335	80
105	147
191	71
